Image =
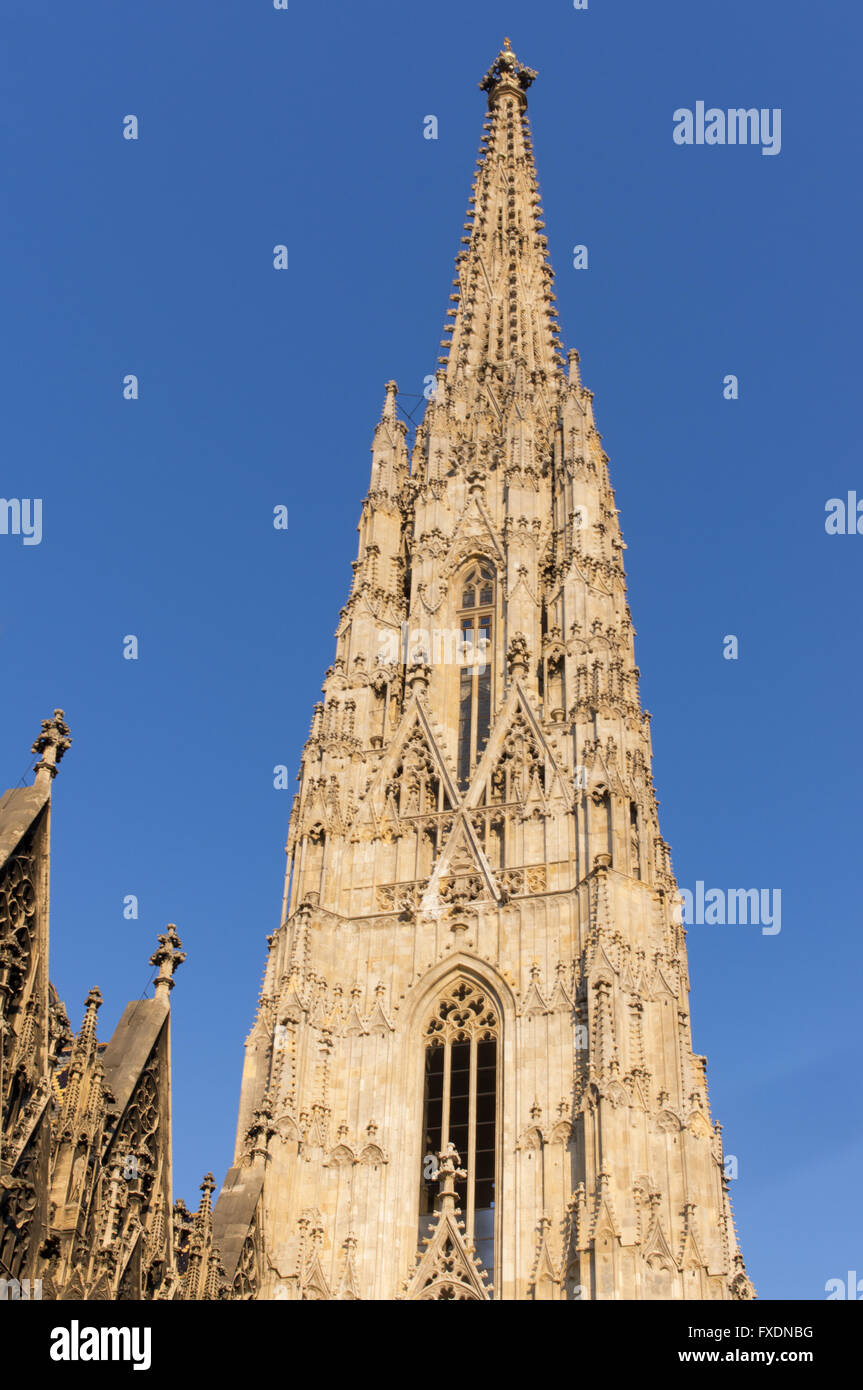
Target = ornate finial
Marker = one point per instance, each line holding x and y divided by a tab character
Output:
389	411
52	743
208	1187
448	1172
475	479
92	1005
418	674
517	655
168	957
507	74
261	1130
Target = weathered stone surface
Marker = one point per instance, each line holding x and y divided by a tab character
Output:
477	840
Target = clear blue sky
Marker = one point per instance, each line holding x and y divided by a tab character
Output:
259	127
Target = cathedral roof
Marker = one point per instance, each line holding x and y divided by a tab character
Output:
19	808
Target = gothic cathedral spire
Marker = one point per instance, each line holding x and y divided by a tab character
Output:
471	1073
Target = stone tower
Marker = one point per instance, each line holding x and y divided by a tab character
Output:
86	1209
471	1073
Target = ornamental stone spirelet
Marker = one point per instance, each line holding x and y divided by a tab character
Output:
168	957
52	743
507	74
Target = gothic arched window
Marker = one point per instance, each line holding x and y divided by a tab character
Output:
476	626
460	1107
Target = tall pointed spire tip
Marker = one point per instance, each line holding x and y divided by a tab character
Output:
507	75
503	320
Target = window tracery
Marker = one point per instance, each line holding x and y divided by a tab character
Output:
476	627
460	1106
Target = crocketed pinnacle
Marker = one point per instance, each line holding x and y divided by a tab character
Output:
502	315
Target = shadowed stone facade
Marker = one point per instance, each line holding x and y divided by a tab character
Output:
86	1209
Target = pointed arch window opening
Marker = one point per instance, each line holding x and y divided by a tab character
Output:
476	629
460	1107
